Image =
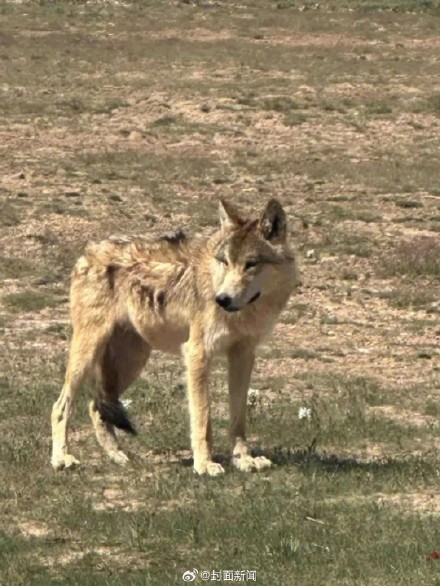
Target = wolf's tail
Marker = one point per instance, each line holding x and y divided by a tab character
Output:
115	414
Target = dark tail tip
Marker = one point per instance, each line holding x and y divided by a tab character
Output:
115	414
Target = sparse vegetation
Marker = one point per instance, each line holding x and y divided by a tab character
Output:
410	297
137	117
13	268
30	301
418	257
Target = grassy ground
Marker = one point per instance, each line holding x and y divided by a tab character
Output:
136	116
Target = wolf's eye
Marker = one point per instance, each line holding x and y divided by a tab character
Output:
222	259
250	264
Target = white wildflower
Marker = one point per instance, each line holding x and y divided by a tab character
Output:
126	403
253	394
304	413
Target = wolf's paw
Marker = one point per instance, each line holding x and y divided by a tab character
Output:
64	461
247	463
214	469
209	468
119	457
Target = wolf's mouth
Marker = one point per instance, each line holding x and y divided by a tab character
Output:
254	298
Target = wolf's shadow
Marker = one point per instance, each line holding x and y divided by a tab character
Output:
306	459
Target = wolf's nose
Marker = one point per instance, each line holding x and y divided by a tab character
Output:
224	300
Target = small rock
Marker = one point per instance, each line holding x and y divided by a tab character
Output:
135	136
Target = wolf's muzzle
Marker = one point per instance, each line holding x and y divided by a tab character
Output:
225	302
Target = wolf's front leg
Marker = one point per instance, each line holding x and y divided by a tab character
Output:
197	365
241	361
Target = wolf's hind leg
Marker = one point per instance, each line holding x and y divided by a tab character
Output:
61	413
83	352
123	359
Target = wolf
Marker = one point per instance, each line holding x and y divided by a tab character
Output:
219	293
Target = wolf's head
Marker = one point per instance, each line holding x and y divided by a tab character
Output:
252	257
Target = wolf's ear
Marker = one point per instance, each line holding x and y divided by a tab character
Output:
273	222
229	215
